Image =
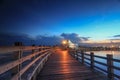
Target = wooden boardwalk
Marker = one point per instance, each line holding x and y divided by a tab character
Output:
62	66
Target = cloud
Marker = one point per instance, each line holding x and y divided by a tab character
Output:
75	38
48	40
8	39
116	36
11	38
115	40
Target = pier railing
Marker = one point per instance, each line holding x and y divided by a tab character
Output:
29	64
90	60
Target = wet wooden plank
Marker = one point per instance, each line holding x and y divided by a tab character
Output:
62	66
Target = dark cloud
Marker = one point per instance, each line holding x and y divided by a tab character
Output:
85	38
48	40
75	38
9	39
116	36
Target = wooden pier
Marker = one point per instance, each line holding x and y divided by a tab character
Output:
51	63
62	66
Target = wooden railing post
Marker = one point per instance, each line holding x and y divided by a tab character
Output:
17	55
76	54
109	66
92	60
39	48
33	50
82	54
43	47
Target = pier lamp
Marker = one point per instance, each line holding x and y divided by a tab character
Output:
64	42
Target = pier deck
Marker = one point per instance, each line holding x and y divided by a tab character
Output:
62	66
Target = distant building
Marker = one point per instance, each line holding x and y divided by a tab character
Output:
68	43
71	45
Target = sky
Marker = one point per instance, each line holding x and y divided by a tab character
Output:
81	21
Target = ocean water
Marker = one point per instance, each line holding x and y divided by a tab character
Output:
116	55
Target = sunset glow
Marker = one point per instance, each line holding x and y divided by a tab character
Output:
102	41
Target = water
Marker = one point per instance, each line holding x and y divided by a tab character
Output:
116	55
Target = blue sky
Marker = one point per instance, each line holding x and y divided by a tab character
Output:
97	19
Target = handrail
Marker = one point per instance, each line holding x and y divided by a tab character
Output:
100	57
14	48
8	66
116	60
40	64
38	52
28	66
109	59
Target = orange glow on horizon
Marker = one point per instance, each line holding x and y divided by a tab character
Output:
102	41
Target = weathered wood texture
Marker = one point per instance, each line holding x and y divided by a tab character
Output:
62	66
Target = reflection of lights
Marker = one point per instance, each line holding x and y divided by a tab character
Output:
64	55
65	59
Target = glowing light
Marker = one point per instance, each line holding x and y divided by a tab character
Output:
112	46
64	42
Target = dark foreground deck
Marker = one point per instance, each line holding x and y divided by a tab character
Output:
62	66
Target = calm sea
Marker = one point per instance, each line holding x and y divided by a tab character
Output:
116	55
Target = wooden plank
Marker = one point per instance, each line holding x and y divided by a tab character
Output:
62	66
